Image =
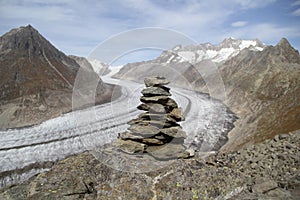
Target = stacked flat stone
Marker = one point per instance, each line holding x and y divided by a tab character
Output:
156	131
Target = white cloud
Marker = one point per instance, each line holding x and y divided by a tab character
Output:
249	4
268	33
296	12
239	23
75	26
296	3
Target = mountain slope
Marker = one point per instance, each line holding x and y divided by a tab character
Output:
261	85
36	79
82	62
30	63
263	89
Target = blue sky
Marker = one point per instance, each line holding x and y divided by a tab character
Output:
78	26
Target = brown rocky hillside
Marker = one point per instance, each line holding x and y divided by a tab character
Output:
36	79
261	87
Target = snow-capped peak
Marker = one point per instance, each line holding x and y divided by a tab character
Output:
228	48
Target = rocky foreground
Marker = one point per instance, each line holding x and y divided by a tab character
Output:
269	170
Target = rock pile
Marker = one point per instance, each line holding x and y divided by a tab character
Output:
156	131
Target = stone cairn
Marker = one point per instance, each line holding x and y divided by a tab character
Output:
156	131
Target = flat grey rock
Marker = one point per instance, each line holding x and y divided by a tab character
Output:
264	186
157	117
152	141
158	124
175	132
144	130
152	107
155	99
155	81
155	91
129	136
166	152
129	146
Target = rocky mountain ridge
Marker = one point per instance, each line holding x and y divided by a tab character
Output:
227	49
175	62
263	88
36	79
255	84
24	56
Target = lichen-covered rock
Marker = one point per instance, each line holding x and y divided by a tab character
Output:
156	91
174	132
264	186
152	108
212	176
155	81
144	130
167	151
155	99
177	114
157	117
129	136
130	146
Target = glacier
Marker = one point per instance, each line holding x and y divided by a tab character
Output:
83	130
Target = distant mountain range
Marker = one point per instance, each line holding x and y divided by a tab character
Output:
36	79
228	48
260	83
175	62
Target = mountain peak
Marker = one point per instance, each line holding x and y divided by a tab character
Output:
28	28
228	42
229	39
20	30
240	43
31	61
24	38
286	51
284	43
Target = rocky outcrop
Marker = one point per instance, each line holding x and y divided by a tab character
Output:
156	131
269	170
262	88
